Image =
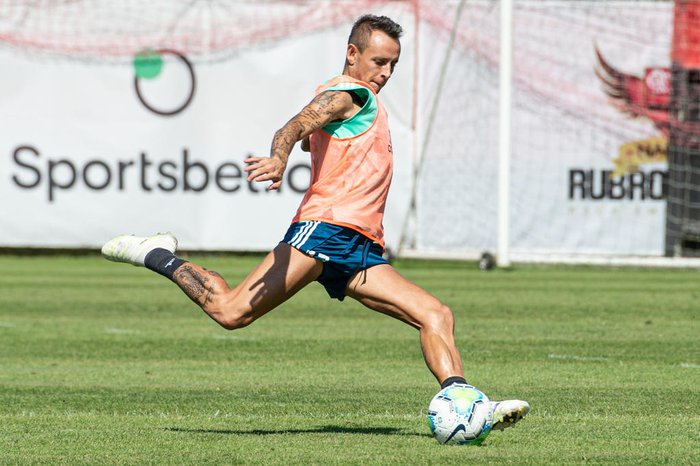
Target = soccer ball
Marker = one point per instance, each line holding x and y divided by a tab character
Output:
460	415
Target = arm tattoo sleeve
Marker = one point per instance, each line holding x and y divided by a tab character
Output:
324	108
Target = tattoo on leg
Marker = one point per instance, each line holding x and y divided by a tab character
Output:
214	274
192	283
210	295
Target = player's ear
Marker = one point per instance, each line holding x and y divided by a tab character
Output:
351	54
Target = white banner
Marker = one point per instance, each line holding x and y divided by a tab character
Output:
86	152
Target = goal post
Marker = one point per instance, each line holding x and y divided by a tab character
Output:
505	101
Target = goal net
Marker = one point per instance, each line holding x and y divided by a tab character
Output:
603	165
108	31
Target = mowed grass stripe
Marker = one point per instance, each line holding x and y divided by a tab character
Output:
104	363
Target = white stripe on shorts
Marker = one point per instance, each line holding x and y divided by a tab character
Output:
299	232
305	225
306	235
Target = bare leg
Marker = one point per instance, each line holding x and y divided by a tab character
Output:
383	289
282	273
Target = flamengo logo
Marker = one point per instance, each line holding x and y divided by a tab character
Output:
155	94
658	81
182	174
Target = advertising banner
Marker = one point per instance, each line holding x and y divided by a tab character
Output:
89	150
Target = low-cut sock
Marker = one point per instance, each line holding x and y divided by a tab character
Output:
162	261
453	380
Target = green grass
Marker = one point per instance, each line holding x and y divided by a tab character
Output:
104	363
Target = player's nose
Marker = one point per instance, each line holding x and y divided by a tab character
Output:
385	72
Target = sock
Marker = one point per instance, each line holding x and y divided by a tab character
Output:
452	380
163	262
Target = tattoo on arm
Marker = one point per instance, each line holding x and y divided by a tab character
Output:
324	108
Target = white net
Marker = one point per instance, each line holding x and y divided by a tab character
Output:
456	196
108	31
588	164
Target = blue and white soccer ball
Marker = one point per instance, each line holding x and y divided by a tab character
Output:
460	415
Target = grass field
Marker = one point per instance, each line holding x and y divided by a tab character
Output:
104	363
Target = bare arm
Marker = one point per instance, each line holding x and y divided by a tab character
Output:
324	108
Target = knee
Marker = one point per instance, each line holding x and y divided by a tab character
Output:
233	320
229	315
440	318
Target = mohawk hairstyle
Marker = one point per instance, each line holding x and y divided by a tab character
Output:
363	27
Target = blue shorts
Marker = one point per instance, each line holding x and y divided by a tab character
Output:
343	251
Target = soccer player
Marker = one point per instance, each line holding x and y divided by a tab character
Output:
336	236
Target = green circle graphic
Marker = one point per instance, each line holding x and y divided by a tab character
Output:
148	64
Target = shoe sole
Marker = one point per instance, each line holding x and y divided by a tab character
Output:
510	418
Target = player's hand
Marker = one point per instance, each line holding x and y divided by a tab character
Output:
265	169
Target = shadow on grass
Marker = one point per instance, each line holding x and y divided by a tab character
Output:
315	430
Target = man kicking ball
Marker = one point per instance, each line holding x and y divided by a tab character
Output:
336	236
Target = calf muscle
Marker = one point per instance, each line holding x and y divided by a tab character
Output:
199	284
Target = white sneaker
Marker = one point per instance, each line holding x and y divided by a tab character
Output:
133	249
506	413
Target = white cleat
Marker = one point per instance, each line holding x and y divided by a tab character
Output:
506	413
133	249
